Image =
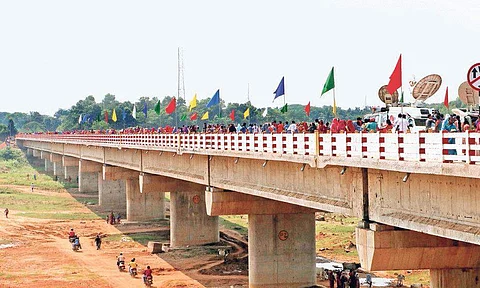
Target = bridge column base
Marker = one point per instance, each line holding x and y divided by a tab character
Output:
88	176
48	166
189	222
58	169
447	278
112	195
72	172
148	204
281	250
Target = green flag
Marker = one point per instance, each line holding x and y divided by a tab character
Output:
157	108
284	108
401	98
329	84
184	117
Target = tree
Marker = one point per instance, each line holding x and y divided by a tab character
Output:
11	128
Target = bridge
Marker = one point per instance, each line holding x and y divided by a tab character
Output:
417	194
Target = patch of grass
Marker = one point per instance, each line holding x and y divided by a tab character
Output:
417	276
27	202
238	223
62	216
335	234
145	237
116	237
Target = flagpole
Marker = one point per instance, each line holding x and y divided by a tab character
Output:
334	104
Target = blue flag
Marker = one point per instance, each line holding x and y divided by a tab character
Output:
85	118
215	99
280	89
124	114
145	109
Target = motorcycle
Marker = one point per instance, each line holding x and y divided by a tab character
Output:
75	247
148	281
133	272
121	266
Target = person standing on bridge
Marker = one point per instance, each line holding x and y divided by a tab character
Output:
449	126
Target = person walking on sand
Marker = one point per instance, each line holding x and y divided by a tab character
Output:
6	212
98	241
112	218
32	186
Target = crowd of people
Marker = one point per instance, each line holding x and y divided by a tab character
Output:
399	123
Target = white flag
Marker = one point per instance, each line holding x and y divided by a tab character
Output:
80	119
134	113
265	112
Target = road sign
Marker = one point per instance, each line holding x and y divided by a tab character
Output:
473	76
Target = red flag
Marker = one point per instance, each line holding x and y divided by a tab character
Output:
232	115
307	109
106	116
171	106
194	116
445	101
396	77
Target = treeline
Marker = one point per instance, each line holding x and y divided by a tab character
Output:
89	114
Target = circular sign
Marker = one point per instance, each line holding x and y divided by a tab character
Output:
283	235
473	76
386	97
196	199
468	95
426	87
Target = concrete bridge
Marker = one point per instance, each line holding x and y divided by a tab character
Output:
417	194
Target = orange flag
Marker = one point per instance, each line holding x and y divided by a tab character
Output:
445	101
396	77
171	106
307	109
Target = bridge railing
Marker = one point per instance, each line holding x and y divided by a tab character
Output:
421	147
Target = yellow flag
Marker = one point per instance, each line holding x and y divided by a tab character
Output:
114	116
193	103
334	109
246	113
205	116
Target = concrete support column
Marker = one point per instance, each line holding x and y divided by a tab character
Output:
36	153
88	176
29	152
72	172
189	222
58	169
112	194
281	250
448	278
148	204
48	166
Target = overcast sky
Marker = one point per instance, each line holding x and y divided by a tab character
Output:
54	53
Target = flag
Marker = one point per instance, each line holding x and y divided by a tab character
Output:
445	101
105	116
171	106
401	98
157	107
134	112
232	115
98	117
85	118
124	114
396	77
284	108
265	112
194	116
334	108
246	113
205	116
145	109
280	89
193	103
215	99
330	83
114	116
307	109
80	119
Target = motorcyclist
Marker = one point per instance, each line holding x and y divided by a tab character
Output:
76	242
71	235
132	265
120	258
147	273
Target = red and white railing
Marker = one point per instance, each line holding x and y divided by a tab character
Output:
421	147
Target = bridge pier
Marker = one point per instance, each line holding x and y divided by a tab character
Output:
452	263
58	169
29	152
70	166
447	278
36	153
189	222
145	198
48	166
112	188
88	176
281	238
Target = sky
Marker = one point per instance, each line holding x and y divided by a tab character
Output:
55	53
